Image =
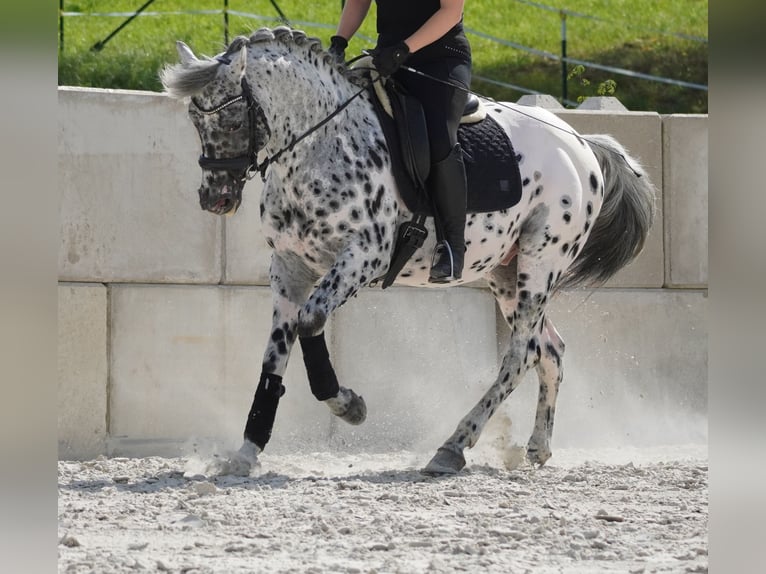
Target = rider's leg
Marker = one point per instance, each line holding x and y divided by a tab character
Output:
447	185
443	95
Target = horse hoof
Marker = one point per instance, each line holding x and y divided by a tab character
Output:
444	462
537	456
243	462
349	406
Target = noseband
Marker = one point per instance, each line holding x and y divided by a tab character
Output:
244	164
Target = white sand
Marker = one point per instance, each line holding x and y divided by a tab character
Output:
621	510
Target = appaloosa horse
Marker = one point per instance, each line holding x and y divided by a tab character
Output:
330	211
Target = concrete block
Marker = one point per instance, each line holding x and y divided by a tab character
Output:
128	182
82	371
167	351
635	370
641	134
185	364
421	358
604	103
541	101
685	157
247	254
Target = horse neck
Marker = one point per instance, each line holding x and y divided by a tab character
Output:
296	92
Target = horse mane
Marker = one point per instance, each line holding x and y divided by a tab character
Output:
185	80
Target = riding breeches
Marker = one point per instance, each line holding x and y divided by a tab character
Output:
443	104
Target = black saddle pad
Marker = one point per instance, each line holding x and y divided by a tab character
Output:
492	170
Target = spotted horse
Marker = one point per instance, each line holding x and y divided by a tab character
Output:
330	210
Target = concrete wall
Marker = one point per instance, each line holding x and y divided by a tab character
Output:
164	309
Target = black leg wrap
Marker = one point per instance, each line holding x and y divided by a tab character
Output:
260	421
324	383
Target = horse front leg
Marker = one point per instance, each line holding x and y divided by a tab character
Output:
290	283
353	269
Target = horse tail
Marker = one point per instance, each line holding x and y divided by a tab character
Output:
622	225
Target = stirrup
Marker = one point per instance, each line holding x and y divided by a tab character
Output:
443	250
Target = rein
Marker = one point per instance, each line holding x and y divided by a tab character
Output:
275	157
248	164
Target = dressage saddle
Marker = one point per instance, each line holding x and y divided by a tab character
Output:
492	170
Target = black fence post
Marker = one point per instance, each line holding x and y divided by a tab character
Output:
98	46
563	56
225	22
61	25
281	14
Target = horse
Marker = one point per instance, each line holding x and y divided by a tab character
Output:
330	211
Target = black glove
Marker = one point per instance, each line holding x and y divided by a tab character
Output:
338	45
389	59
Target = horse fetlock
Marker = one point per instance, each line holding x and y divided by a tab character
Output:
538	454
349	406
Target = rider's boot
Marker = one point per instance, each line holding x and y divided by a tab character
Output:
447	183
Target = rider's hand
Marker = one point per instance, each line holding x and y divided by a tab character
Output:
389	59
338	45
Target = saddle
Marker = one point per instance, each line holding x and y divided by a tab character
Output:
492	170
411	132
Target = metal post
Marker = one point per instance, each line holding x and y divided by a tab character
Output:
61	25
281	14
563	56
225	22
98	46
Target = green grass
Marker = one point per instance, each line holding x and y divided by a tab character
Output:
627	34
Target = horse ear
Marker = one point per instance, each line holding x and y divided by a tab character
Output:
185	53
239	63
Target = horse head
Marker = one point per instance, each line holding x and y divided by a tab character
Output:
230	123
270	88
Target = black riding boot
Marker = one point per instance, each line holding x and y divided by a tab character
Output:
447	184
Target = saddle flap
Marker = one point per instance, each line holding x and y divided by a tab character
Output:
413	132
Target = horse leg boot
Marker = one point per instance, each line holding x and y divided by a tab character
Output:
343	403
447	183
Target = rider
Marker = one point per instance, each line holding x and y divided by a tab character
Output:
427	35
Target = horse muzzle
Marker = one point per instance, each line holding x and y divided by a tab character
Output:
222	201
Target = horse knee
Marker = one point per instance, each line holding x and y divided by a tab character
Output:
311	322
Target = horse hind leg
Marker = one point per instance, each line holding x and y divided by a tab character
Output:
521	290
550	373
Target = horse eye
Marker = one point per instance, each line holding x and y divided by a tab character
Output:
236	127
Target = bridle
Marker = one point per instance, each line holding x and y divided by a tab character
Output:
244	164
248	164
